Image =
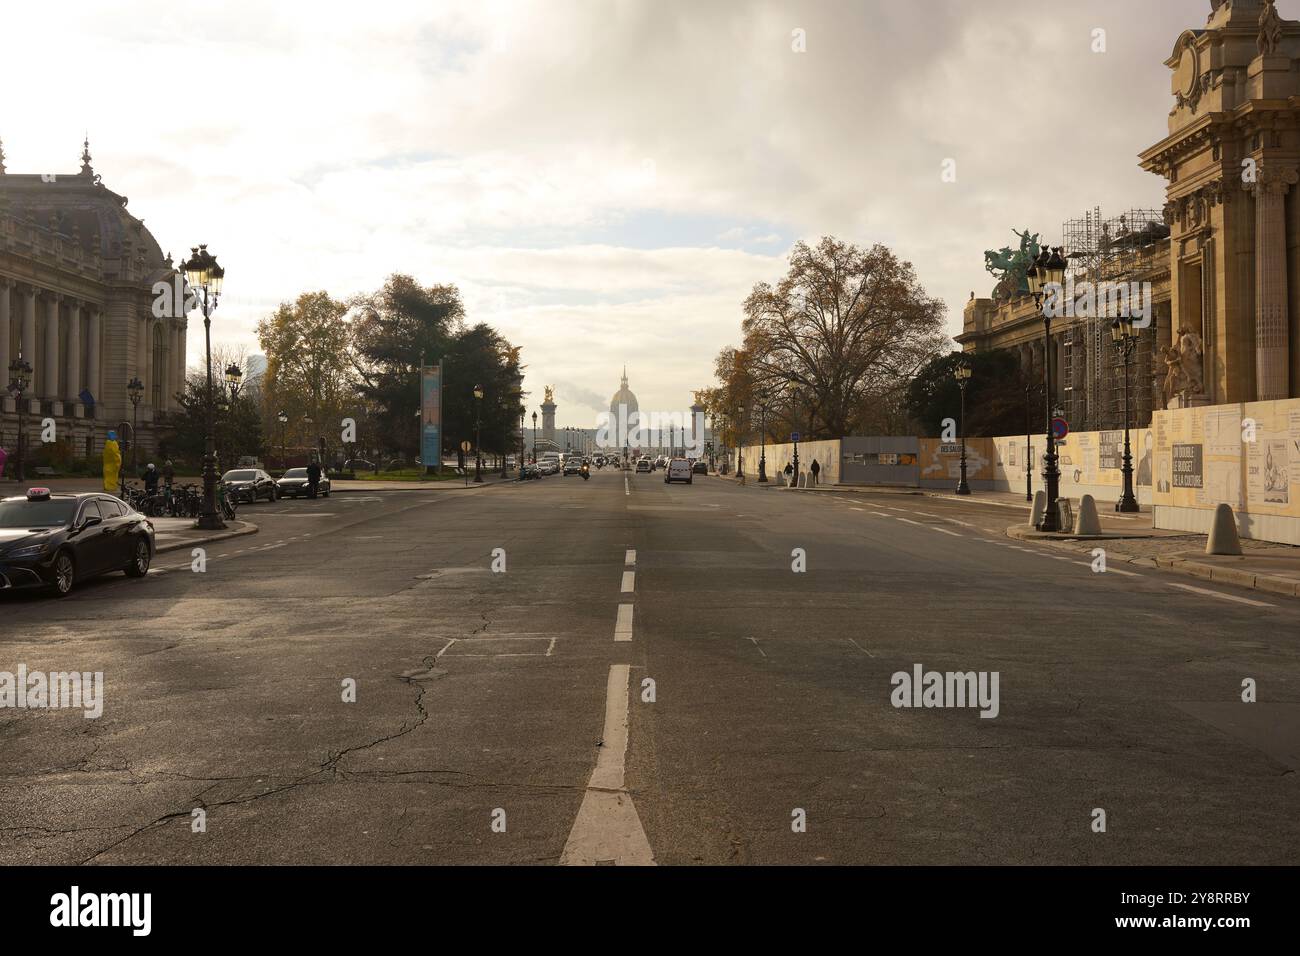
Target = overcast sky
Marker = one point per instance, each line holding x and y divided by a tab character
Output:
605	180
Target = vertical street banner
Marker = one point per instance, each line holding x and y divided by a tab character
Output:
431	416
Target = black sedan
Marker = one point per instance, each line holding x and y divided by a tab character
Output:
293	484
55	540
249	484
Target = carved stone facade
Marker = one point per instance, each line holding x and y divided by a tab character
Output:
1228	277
1230	160
77	273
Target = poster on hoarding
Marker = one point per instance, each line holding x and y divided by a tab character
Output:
431	416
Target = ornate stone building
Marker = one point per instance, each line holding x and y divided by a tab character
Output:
1230	160
1224	266
77	302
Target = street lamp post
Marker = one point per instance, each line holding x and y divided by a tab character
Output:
1125	337
135	390
283	418
962	374
205	275
478	422
762	438
794	420
1046	271
534	438
20	377
740	464
234	375
1029	457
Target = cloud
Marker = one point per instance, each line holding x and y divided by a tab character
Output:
518	148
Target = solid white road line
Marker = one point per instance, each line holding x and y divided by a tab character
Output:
630	558
629	582
623	628
861	648
944	531
607	829
1220	594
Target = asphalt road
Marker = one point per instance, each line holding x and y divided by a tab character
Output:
488	722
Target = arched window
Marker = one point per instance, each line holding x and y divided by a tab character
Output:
159	365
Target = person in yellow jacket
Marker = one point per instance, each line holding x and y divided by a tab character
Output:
112	463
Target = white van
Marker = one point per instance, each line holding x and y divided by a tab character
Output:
679	469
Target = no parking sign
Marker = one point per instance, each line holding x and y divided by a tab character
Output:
1060	428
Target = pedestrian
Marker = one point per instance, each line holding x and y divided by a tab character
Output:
150	479
313	478
816	470
789	469
168	473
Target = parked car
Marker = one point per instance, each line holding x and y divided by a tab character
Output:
293	484
549	466
701	467
249	484
679	469
643	464
530	472
49	540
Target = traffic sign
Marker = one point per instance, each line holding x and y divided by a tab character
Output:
465	446
794	437
1060	428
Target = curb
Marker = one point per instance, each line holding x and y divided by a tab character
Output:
248	528
1238	577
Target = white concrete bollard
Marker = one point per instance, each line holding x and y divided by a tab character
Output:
1088	521
1223	533
1040	506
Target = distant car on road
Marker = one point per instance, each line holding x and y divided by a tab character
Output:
249	484
49	540
572	466
548	466
293	484
679	469
643	464
530	472
701	467
359	464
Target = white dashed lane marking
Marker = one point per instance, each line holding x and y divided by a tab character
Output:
607	829
1219	594
629	582
623	627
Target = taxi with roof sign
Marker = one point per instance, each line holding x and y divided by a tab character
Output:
53	540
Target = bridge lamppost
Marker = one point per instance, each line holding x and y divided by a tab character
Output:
762	438
205	276
20	378
1047	274
135	391
740	454
962	374
534	438
1125	337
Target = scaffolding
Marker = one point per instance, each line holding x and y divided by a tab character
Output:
1121	248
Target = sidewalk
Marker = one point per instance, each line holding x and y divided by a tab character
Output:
1262	566
173	534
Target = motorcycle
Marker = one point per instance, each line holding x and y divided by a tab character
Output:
585	471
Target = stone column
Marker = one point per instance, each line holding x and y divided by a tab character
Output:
180	359
50	353
27	337
5	357
93	353
1272	356
72	367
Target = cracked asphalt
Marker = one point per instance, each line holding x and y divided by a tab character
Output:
479	692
